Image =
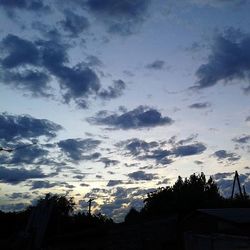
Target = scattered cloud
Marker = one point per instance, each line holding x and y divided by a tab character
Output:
75	148
142	176
108	162
229	60
219	3
18	195
200	105
30	5
156	65
199	162
120	17
113	91
140	117
14	207
136	146
243	139
159	155
164	181
27	154
16	175
160	152
189	139
224	155
188	150
42	184
74	24
26	63
17	127
113	183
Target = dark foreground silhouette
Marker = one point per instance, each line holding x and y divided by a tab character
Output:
189	215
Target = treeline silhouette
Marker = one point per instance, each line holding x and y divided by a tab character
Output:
19	226
185	196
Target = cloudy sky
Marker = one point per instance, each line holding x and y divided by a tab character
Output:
111	99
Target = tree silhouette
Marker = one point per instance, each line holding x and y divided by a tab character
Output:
132	216
184	196
62	205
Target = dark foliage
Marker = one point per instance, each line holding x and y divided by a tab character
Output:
184	196
132	216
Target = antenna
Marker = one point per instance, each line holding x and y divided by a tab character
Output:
90	203
236	178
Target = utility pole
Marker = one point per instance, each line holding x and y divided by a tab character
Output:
236	178
90	203
244	192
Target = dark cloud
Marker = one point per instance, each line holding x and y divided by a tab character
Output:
91	157
84	185
17	127
159	155
248	119
243	139
229	60
142	176
20	52
156	151
141	117
108	162
113	183
31	5
17	175
183	141
76	82
136	146
200	105
14	207
93	61
74	148
219	3
74	24
18	195
223	175
42	184
79	176
48	32
199	162
164	182
187	150
224	155
113	91
25	81
27	154
121	17
157	65
30	66
131	165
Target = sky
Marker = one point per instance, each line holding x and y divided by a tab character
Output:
112	99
